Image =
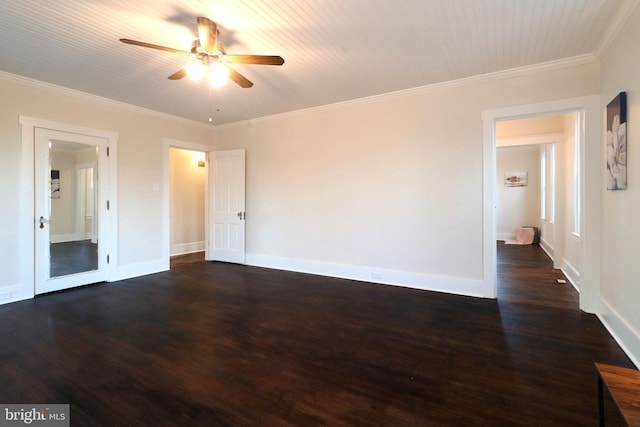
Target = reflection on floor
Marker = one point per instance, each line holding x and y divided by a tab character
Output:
180	260
73	257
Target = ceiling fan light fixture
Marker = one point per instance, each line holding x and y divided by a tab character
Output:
195	71
218	74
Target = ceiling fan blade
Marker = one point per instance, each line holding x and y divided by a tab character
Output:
155	46
239	78
208	34
178	74
254	59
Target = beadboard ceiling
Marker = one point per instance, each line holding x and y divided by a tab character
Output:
334	50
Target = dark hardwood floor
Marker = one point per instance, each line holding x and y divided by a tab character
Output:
181	260
72	257
217	344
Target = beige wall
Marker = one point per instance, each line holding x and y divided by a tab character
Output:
389	190
620	286
531	126
187	182
63	210
139	161
517	206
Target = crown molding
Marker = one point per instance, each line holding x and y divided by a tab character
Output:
26	81
514	72
621	18
497	75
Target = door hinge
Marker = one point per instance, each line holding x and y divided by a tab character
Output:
107	205
107	258
107	151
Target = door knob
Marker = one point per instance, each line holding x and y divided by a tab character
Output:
240	215
42	222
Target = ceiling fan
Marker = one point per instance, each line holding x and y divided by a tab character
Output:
211	54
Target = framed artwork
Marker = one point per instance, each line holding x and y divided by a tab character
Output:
616	149
55	184
515	179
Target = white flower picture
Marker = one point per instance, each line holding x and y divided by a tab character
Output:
616	149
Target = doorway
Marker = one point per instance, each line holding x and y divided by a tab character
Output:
69	175
68	233
543	150
588	134
536	147
224	203
187	189
181	160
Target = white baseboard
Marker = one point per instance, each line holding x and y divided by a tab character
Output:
571	273
547	248
447	284
625	335
128	271
61	238
15	293
505	236
71	237
187	248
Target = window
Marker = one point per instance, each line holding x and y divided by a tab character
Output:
552	183
576	178
543	184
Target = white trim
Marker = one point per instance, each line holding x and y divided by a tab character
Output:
26	245
26	288
168	143
498	75
571	273
621	330
14	78
61	238
129	271
505	236
590	159
5	295
621	18
547	248
429	282
187	248
13	293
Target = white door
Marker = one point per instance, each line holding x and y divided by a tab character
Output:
65	258
226	206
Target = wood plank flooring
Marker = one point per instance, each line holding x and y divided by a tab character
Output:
217	344
180	260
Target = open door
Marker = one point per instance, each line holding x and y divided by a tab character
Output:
226	213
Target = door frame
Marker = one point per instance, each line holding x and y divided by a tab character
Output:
167	144
591	161
26	246
44	282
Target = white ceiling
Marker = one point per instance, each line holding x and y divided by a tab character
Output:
334	50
